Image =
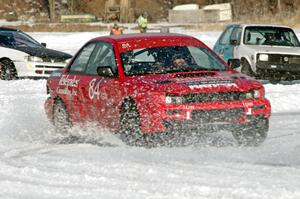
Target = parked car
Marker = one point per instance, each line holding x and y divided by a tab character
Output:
146	84
22	56
262	51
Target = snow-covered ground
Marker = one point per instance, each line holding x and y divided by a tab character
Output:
37	163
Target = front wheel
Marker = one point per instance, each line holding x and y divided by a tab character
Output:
131	125
61	118
7	70
251	134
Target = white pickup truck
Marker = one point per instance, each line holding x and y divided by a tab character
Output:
263	51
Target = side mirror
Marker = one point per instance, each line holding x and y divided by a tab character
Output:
234	63
234	42
44	44
105	71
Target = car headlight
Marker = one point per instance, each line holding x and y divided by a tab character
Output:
174	100
263	57
253	94
256	94
68	60
33	59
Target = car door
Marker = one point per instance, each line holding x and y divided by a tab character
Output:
101	94
223	47
71	81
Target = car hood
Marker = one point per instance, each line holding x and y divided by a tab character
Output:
276	49
44	52
208	81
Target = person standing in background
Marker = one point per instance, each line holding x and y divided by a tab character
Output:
143	22
116	30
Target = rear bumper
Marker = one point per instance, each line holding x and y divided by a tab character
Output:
37	69
217	114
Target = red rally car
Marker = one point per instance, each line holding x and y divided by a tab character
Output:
146	84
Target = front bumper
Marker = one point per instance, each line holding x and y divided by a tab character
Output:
212	114
37	69
275	71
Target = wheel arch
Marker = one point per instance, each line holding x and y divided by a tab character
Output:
127	99
8	59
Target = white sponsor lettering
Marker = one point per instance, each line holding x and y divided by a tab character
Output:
212	85
66	91
94	87
68	82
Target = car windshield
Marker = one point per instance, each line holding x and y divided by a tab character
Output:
274	36
169	59
12	38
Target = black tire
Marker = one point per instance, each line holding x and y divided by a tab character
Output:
252	134
7	70
61	119
131	125
246	68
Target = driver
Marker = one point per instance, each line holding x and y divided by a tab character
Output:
178	61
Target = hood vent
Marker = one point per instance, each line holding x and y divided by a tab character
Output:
204	74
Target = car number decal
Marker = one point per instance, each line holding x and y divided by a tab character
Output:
94	87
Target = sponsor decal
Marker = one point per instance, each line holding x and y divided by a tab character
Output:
66	91
210	83
67	83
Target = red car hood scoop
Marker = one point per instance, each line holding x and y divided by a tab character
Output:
202	74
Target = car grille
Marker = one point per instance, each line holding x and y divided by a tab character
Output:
284	59
54	60
44	66
213	97
222	115
47	70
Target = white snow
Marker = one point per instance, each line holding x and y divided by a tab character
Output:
37	163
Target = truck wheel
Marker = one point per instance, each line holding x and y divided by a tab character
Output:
7	70
131	125
61	118
246	68
252	134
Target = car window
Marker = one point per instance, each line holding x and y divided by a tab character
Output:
16	38
203	58
81	61
169	59
103	56
274	36
24	39
236	34
225	38
144	56
6	38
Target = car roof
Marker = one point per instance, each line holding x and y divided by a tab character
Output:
127	42
260	25
10	29
135	36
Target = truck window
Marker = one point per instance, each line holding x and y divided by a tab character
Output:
225	38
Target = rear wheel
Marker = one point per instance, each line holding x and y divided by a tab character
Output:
7	70
131	125
61	118
251	134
